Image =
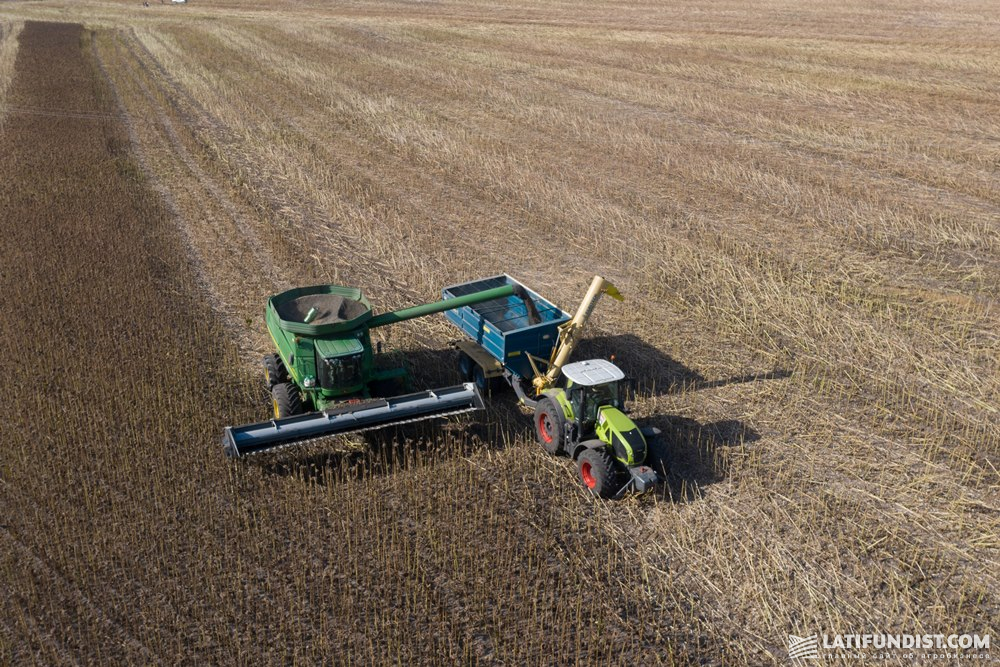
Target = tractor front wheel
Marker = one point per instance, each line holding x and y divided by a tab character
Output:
598	472
286	400
274	370
550	426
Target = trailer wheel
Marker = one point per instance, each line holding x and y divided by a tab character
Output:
550	424
465	366
286	400
484	383
598	472
274	370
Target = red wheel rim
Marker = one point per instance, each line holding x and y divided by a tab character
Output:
543	427
588	477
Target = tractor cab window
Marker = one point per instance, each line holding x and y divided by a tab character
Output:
337	372
587	400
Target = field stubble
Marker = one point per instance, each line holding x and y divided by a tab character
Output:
804	220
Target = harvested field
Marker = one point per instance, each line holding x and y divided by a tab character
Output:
800	202
9	31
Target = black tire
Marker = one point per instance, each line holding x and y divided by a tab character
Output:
465	366
598	472
274	370
550	425
286	400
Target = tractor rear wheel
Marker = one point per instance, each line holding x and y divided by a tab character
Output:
286	400
598	472
274	370
550	425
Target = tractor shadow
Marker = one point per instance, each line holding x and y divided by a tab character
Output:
658	373
692	455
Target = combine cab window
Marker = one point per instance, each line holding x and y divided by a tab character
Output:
340	372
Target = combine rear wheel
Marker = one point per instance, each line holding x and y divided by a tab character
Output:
550	426
274	370
286	400
598	472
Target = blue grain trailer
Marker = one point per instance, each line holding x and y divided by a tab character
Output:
504	336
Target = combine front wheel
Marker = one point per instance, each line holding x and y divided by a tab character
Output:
286	400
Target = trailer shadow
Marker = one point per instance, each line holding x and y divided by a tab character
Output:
659	373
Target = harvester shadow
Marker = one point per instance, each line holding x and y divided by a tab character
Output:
389	451
695	455
658	373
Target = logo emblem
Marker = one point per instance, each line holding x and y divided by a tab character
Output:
803	648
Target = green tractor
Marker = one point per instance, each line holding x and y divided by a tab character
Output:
586	420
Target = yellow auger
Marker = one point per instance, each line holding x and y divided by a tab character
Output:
570	333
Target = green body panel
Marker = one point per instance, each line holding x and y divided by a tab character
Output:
338	347
337	358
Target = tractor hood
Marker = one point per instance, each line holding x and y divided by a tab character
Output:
627	441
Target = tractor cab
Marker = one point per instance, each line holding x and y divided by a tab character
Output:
591	385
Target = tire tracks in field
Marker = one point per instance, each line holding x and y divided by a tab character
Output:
205	211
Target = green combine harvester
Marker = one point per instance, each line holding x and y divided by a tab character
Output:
325	378
324	375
